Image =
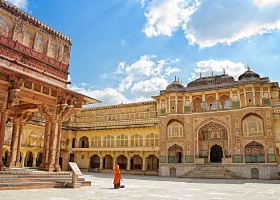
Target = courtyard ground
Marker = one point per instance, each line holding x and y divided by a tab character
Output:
149	188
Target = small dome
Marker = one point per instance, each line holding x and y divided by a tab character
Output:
175	85
249	75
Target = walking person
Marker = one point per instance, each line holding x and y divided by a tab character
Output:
117	177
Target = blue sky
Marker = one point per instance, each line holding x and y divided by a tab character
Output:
128	50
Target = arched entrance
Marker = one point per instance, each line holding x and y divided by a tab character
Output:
212	135
175	154
122	162
216	153
95	162
136	162
28	159
152	163
108	162
39	159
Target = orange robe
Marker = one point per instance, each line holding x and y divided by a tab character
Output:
117	178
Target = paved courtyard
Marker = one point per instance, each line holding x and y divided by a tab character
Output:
149	188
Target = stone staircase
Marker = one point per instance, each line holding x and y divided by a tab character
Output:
35	179
211	171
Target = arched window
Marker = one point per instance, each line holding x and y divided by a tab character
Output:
252	126
225	101
175	129
96	141
108	141
197	104
4	27
136	140
254	153
152	140
84	142
122	141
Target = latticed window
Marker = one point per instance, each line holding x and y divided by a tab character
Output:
175	129
252	126
122	141
152	140
136	140
96	141
108	141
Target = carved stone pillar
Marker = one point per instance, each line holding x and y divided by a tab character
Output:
4	115
34	160
13	150
18	163
52	146
101	162
144	164
128	167
59	136
46	145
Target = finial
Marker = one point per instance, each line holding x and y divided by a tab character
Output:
248	68
199	74
224	71
178	79
212	73
175	78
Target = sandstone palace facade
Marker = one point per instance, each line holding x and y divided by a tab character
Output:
215	126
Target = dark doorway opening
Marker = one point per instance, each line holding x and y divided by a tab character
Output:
216	153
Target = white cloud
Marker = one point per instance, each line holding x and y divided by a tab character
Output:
147	68
208	23
206	67
170	70
108	96
19	3
150	87
266	3
165	16
138	81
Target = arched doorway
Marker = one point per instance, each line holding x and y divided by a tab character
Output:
216	153
175	154
28	159
60	161
152	163
39	159
5	158
122	162
84	142
254	173
108	162
95	162
172	172
254	153
213	135
136	162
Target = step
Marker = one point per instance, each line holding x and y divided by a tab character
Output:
30	185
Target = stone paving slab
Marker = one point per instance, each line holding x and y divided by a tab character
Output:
154	188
